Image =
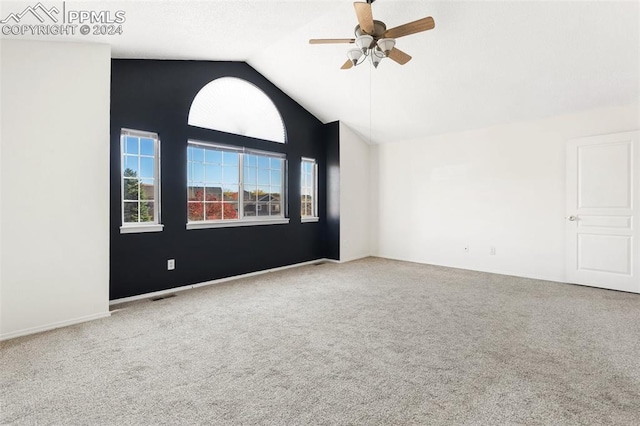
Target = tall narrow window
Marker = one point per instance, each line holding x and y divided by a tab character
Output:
231	186
309	190
140	181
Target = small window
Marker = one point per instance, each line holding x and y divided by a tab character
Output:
229	186
309	190
140	180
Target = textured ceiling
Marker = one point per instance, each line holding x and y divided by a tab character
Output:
485	63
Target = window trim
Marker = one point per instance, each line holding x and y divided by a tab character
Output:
205	224
310	219
316	216
243	221
138	227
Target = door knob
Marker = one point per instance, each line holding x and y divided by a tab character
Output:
572	218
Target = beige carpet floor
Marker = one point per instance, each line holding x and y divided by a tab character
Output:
367	342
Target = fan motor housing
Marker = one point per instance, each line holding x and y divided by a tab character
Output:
379	28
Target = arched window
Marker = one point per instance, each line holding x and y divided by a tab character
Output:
233	105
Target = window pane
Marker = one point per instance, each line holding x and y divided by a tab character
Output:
213	174
249	209
130	189
263	162
250	176
197	154
147	189
147	146
213	194
276	177
230	158
263	177
197	170
250	193
195	193
274	209
131	145
306	209
230	175
196	211
230	210
131	165
146	211
213	156
146	167
130	212
276	163
213	211
250	160
230	193
263	192
263	209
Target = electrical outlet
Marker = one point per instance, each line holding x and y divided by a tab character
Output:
171	264
492	251
466	248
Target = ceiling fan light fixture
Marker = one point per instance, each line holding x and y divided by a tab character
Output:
375	60
363	42
354	55
373	39
386	45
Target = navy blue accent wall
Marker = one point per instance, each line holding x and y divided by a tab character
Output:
332	181
156	96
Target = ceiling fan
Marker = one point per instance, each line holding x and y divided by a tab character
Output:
374	40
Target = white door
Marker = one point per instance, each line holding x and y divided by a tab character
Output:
603	192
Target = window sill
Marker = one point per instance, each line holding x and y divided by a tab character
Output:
135	229
236	223
310	219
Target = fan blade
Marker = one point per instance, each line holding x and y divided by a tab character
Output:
347	65
399	56
418	26
365	16
331	40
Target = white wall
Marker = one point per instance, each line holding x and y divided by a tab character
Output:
54	186
355	194
499	187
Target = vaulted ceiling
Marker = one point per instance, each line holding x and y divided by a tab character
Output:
485	63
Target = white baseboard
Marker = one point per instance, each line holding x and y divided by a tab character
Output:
54	325
497	271
213	282
354	257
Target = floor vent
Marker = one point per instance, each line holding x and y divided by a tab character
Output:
167	296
